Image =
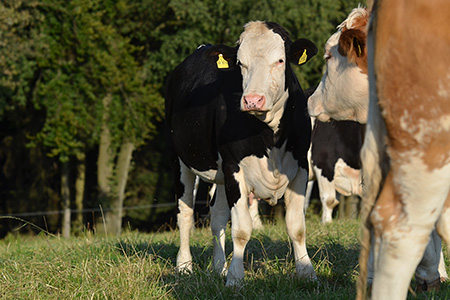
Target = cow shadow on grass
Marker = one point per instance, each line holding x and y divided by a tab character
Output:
334	263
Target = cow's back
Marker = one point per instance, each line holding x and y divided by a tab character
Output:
196	108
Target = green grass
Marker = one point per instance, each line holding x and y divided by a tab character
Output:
141	266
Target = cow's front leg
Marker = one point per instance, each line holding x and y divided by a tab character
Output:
403	224
185	217
241	230
295	223
220	214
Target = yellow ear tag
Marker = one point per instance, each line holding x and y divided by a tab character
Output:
303	58
222	63
359	50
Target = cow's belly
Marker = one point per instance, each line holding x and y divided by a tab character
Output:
211	175
267	178
346	179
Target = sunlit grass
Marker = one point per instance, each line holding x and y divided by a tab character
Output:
142	266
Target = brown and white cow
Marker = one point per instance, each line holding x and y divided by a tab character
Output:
343	91
344	95
408	127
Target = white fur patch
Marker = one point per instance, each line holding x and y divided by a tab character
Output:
268	178
260	51
347	179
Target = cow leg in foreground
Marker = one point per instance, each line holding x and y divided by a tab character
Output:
295	223
220	214
403	224
241	231
185	217
431	270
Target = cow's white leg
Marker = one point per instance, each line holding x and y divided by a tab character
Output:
309	189
254	213
220	214
327	194
424	270
295	223
403	225
442	269
241	230
185	218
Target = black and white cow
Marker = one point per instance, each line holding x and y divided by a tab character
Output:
237	117
335	161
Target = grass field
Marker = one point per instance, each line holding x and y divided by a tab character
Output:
141	266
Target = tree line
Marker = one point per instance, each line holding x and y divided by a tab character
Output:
82	99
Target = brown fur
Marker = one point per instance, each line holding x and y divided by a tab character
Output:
353	36
352	43
388	205
411	64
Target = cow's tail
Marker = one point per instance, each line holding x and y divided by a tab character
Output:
375	165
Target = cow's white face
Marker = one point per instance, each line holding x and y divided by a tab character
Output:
262	59
343	93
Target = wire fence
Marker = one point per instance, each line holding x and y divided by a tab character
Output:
91	210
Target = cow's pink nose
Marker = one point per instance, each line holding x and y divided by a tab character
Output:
254	102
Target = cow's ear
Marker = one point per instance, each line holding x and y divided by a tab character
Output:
352	43
301	51
223	57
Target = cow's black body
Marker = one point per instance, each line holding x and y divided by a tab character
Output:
333	140
204	120
246	128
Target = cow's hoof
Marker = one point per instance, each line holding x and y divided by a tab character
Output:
428	286
234	283
306	271
222	271
184	268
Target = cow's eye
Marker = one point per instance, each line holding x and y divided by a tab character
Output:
327	57
240	64
281	61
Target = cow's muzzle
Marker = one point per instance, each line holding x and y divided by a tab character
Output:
253	102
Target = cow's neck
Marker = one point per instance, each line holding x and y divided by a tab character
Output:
273	117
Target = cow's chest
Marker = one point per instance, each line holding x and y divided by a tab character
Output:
269	176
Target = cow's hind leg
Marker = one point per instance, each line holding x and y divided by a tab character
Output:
185	190
428	275
403	218
295	223
254	212
220	214
327	192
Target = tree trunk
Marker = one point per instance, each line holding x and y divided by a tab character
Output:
351	207
65	196
114	216
79	189
348	207
105	161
